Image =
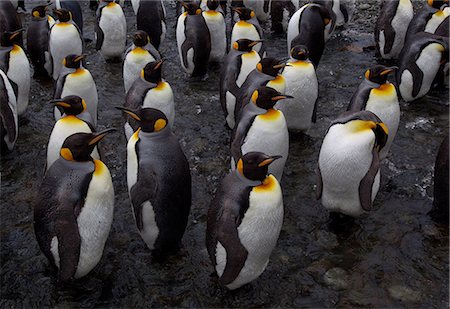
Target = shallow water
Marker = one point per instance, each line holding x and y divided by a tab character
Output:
393	256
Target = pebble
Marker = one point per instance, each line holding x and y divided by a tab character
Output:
336	278
404	293
364	6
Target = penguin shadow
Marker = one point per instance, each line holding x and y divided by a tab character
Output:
342	225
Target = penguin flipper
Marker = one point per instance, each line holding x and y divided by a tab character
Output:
314	114
417	75
48	65
6	115
184	50
366	184
139	195
389	34
239	133
229	238
319	183
100	36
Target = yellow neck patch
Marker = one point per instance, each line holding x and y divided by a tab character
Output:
16	49
100	167
66	154
384	90
357	126
135	135
269	184
139	51
270	115
63	24
278	80
160	86
78	72
70	120
240	167
250	55
111	5
300	64
243	23
211	13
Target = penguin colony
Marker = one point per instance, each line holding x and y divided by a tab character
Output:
262	99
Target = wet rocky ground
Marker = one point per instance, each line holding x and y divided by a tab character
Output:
395	256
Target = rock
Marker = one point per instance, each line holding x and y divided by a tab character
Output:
364	6
404	293
337	278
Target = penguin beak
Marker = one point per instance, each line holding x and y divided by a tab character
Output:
184	5
99	136
80	57
268	161
129	112
279	66
255	42
281	97
430	2
16	33
326	21
237	10
60	105
389	70
159	63
57	12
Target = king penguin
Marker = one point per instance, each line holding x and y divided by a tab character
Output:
247	27
262	128
159	182
151	18
239	62
14	62
76	119
8	114
110	30
38	37
391	27
137	56
74	79
10	20
74	210
262	9
377	95
301	83
428	18
349	164
244	221
75	9
193	40
217	31
64	39
149	90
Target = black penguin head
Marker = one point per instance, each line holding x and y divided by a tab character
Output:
63	15
73	61
255	165
266	97
149	119
379	73
325	14
437	4
70	105
191	7
140	38
8	38
244	13
152	71
300	52
245	45
270	66
79	146
39	11
212	4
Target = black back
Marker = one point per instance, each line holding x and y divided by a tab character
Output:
228	76
149	18
37	43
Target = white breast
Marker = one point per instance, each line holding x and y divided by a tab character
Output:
133	64
244	30
436	20
279	84
248	64
217	30
162	99
19	73
181	37
400	24
132	161
114	27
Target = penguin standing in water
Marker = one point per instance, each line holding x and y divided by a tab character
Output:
38	37
75	207
428	18
136	57
262	128
151	18
159	182
149	90
349	164
239	62
110	30
76	119
377	95
244	221
391	27
76	80
307	27
75	9
9	125
10	20
14	62
247	27
65	39
193	40
419	63
301	83
217	31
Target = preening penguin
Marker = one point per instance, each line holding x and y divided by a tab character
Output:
151	18
14	62
193	40
149	90
38	37
10	20
110	29
217	31
244	221
76	119
76	80
8	114
349	165
65	39
239	62
247	27
419	63
74	212
391	27
379	96
159	181
301	83
137	56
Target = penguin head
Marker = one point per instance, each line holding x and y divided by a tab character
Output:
379	73
152	71
39	11
245	45
140	38
437	4
212	4
300	52
63	15
150	119
266	97
255	165
325	14
70	105
8	38
270	66
244	13
73	61
191	7
79	146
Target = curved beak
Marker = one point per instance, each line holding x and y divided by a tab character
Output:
129	112
57	12
255	42
80	57
97	137
389	70
269	161
282	97
279	66
237	10
159	63
16	33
